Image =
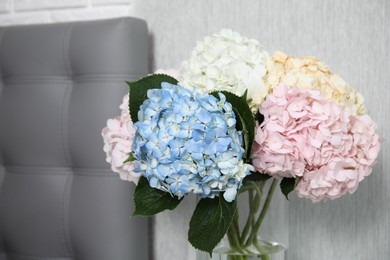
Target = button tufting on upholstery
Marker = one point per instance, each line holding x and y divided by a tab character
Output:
58	198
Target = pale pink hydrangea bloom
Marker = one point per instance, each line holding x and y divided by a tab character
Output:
304	135
118	136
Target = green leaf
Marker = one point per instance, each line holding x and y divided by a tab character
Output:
257	176
244	96
245	122
150	201
129	159
210	222
259	117
287	185
138	91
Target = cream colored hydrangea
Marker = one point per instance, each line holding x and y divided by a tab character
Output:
310	73
226	61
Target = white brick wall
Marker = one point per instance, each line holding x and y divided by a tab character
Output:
51	11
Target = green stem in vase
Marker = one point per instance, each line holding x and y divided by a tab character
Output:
254	203
236	226
240	242
233	242
263	256
234	239
233	234
237	257
263	212
248	221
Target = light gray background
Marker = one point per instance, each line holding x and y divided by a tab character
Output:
352	37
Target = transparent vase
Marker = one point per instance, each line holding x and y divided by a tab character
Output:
243	240
259	250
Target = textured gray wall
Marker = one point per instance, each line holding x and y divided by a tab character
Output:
352	37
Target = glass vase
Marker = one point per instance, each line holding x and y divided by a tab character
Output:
258	250
243	240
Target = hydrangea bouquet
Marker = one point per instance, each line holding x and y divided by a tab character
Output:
232	120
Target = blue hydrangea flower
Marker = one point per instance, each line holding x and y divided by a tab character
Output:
187	142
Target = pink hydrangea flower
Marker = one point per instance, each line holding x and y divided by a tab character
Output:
305	135
118	136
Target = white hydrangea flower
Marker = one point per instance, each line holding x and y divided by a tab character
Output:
227	61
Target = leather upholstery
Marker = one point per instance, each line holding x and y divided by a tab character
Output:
59	84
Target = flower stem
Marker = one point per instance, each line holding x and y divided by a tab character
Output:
236	226
248	221
234	234
253	208
237	257
233	241
263	256
263	212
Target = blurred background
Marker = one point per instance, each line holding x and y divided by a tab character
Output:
351	36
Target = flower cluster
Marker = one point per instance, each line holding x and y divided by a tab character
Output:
306	135
187	142
118	138
310	73
315	127
202	136
227	61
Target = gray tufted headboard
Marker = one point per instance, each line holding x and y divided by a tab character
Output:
59	84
